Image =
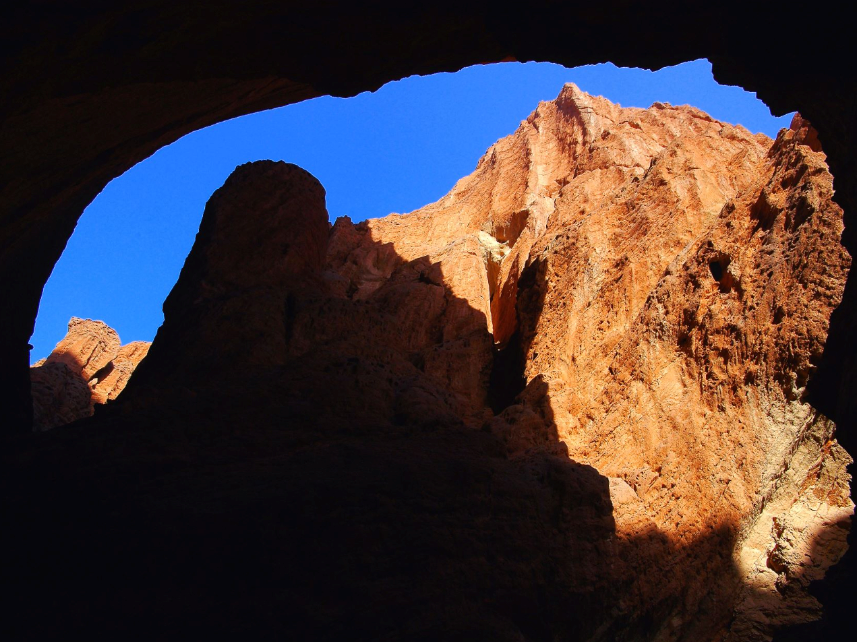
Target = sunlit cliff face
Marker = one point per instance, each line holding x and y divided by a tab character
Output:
587	240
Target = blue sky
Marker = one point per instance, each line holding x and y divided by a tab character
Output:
390	151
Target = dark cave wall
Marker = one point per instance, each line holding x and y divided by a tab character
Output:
92	88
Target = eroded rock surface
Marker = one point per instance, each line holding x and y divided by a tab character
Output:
664	282
88	366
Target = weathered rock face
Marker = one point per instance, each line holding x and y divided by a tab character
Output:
683	378
89	366
664	282
60	396
563	403
111	380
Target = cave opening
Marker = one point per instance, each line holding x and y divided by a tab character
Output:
719	268
535	419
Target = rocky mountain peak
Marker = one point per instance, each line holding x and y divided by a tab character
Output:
658	285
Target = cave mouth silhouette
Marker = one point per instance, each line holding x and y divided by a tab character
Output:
744	54
222	476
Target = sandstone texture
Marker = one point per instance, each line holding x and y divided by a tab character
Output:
664	282
91	93
88	366
565	402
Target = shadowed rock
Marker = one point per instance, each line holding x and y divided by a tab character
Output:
666	281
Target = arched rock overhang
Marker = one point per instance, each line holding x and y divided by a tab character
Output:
92	88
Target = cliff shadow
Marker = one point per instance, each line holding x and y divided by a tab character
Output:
293	457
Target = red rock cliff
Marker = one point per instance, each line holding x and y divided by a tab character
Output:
665	283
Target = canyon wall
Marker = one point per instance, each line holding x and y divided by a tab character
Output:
566	401
92	90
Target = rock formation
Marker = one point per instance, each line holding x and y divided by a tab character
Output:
566	401
272	293
89	366
665	282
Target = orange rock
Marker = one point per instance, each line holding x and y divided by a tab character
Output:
109	382
666	280
87	347
60	396
88	366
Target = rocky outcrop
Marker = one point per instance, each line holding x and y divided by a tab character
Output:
277	301
88	366
60	396
87	347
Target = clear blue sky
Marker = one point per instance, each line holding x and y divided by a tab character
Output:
391	151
